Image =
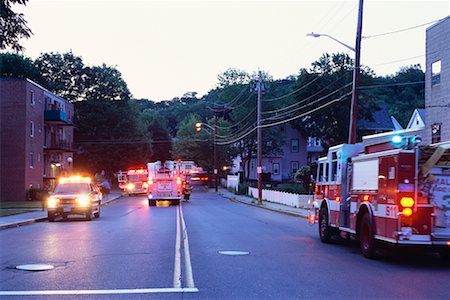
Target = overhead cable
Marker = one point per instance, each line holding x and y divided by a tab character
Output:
401	30
295	91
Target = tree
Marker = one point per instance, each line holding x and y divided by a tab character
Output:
156	126
65	74
13	26
199	146
108	131
328	80
18	66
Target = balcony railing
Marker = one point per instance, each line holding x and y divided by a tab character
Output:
59	145
55	116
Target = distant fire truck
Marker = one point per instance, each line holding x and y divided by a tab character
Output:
385	189
136	181
165	182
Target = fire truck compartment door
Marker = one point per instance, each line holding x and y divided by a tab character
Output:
365	175
440	199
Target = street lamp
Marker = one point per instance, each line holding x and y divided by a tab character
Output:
356	73
198	127
316	35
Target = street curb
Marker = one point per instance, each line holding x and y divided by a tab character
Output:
21	223
291	213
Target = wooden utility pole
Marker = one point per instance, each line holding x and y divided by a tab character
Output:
259	138
356	79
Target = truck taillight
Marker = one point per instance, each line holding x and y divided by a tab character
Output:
178	180
407	203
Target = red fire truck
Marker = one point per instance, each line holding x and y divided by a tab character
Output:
386	189
137	181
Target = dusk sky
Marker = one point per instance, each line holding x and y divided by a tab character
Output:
167	48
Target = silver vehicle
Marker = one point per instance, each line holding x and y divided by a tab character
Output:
74	196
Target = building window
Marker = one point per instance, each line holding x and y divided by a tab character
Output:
436	73
32	101
294	167
276	169
294	145
31	128
310	142
31	159
317	142
436	133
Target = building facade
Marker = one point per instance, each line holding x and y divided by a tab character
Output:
36	138
437	83
284	166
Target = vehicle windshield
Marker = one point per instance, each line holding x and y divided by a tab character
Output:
72	188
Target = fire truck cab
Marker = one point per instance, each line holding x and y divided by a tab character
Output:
137	181
385	189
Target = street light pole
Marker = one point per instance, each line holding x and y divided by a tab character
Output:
356	79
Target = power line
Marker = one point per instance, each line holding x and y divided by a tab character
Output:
401	30
295	91
391	84
302	100
306	113
309	104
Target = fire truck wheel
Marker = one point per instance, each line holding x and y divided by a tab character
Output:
51	216
324	229
97	213
151	202
366	237
88	215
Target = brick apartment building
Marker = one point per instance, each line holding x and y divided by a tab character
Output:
36	137
437	83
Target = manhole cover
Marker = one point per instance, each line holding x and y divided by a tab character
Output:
35	267
234	252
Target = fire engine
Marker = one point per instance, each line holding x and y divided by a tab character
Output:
137	181
387	189
165	182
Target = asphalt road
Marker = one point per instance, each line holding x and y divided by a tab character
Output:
134	251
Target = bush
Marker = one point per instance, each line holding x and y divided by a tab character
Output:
242	188
291	188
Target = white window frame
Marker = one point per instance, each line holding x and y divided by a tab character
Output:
277	169
32	100
31	129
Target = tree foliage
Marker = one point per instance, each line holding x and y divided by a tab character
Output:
13	26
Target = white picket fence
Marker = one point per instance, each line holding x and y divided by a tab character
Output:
294	200
232	182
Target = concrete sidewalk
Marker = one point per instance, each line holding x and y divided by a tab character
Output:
41	215
301	212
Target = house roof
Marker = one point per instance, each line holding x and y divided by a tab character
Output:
420	112
381	120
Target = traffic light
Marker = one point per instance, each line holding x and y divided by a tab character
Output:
198	126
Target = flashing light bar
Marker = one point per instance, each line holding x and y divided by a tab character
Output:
75	179
140	171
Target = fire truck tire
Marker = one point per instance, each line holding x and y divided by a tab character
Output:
51	216
367	238
324	228
151	202
88	215
97	213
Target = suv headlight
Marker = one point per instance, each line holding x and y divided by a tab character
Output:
83	200
52	202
